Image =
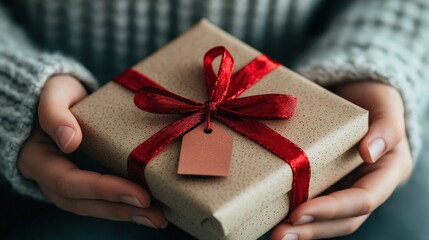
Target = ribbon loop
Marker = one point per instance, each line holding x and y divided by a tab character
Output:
217	86
161	101
266	106
250	75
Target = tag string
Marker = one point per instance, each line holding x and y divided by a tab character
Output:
209	107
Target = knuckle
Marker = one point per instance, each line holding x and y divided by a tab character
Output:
366	208
63	204
62	186
331	209
310	233
76	208
99	188
352	227
119	213
368	205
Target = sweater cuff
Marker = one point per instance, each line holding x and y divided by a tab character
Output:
21	80
336	66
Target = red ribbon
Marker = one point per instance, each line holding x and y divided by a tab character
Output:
240	114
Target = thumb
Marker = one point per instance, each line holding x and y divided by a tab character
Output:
386	126
383	135
58	95
386	116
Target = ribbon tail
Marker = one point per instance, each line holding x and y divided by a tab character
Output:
288	151
145	152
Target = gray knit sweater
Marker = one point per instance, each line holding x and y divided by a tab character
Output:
384	41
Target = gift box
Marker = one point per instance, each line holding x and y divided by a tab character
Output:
256	194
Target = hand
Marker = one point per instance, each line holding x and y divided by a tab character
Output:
78	191
388	163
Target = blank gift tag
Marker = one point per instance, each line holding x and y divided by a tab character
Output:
206	154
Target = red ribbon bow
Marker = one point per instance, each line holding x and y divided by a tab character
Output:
240	114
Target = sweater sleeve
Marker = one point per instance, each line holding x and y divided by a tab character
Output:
23	71
385	41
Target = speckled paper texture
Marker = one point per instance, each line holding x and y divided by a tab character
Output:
254	197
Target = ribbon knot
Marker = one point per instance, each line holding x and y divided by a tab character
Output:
240	114
210	106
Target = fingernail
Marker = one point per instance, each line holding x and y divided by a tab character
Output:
290	236
64	136
376	148
304	219
143	221
128	199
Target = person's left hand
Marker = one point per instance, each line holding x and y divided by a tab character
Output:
388	163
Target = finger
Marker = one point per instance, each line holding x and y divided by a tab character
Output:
363	197
60	175
79	184
317	230
59	93
151	217
343	204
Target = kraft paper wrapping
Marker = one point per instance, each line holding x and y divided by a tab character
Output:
254	197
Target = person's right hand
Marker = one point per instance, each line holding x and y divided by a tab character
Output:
79	191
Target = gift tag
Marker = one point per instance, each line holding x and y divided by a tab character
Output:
206	154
